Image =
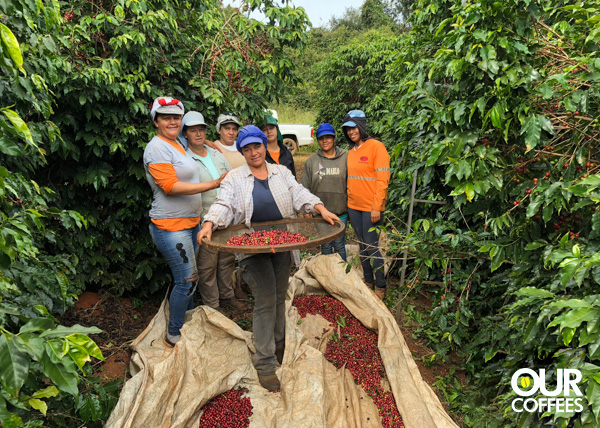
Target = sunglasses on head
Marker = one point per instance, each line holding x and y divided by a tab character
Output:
230	113
164	102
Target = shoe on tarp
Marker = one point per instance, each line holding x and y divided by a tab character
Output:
269	382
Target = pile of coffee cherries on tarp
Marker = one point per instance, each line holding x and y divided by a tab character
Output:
266	237
356	348
228	410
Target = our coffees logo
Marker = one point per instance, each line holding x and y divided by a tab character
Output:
566	397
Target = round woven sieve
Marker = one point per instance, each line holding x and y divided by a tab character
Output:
316	230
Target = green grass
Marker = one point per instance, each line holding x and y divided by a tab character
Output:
291	114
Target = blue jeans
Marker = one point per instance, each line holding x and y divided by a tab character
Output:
179	249
368	243
337	245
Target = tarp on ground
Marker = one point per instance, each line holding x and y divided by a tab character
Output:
169	387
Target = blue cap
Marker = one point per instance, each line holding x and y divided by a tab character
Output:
250	134
351	114
325	129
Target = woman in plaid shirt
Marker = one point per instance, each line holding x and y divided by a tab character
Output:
275	192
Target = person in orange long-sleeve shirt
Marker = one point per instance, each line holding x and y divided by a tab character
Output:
176	207
368	180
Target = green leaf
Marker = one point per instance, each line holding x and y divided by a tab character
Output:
61	331
535	245
569	267
65	380
594	350
9	147
470	191
37	324
12	46
497	260
39	405
88	344
534	206
30	344
570	303
48	392
14	365
532	129
19	125
534	292
592	393
567	335
573	319
8	419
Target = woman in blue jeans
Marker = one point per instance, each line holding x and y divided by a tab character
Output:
176	207
276	194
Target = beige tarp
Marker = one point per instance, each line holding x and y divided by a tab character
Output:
169	387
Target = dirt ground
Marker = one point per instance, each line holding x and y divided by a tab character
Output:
122	320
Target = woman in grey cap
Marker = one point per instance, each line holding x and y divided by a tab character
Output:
275	194
176	207
215	270
228	126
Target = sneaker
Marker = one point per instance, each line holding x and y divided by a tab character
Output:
380	292
168	343
269	382
233	303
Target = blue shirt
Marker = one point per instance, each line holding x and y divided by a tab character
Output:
265	208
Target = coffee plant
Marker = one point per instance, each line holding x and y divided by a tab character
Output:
495	105
112	58
42	363
77	80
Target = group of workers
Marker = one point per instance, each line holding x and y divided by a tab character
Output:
248	176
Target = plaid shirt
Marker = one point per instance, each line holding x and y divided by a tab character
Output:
235	204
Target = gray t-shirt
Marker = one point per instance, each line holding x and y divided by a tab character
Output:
158	151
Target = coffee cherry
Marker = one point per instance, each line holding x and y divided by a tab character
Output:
266	237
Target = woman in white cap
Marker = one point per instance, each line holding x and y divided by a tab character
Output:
273	189
215	270
176	207
228	126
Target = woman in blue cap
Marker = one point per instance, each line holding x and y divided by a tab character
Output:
276	194
368	180
325	174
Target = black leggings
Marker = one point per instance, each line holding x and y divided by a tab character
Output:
369	246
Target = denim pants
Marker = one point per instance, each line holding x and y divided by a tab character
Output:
179	249
268	277
368	243
337	245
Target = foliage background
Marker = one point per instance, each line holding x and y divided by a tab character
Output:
495	105
77	81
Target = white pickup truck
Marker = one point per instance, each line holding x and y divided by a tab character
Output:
295	135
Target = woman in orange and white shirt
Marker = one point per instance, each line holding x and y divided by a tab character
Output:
176	207
368	180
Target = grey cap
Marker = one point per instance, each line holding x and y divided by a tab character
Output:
227	118
193	118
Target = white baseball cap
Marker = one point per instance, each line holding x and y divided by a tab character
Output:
166	105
